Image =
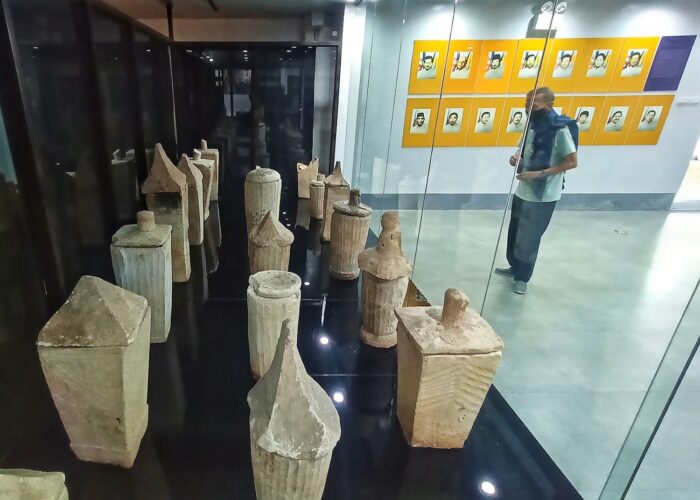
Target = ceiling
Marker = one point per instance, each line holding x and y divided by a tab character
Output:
150	9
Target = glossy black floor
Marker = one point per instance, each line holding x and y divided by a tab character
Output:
197	445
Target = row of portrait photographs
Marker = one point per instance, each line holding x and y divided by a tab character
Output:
530	64
484	120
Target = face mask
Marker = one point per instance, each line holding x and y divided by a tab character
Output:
537	114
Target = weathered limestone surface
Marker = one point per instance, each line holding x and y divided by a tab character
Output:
316	192
385	272
25	484
306	174
206	168
141	258
94	355
212	154
293	429
349	228
269	243
447	359
336	189
166	196
273	297
195	200
263	187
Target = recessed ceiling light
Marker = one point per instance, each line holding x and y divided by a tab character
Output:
36	47
187	50
488	488
338	397
323	340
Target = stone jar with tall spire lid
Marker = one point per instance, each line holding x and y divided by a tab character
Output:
263	188
385	272
350	226
212	154
306	174
336	189
447	359
195	200
268	245
316	192
294	427
206	168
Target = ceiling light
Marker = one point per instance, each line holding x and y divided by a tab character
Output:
306	283
338	397
289	50
323	340
187	50
488	488
36	47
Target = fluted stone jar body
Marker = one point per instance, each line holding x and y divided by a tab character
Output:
263	187
380	298
349	228
316	192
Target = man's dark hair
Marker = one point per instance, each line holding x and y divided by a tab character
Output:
419	114
528	55
635	53
496	57
517	113
584	112
428	56
605	56
484	113
566	55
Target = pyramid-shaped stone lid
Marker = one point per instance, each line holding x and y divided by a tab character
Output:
336	178
275	284
353	207
262	175
144	234
318	181
386	261
452	329
290	414
270	232
301	166
164	176
26	484
97	314
186	166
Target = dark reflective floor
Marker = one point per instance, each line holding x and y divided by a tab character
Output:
197	445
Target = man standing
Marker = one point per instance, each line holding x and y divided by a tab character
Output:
548	150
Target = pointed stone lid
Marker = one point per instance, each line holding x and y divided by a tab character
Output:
164	176
196	154
186	166
290	414
97	314
26	484
454	328
270	232
262	175
336	178
353	206
386	261
144	234
275	284
318	181
313	163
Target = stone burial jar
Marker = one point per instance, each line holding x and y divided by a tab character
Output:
336	189
306	174
293	429
269	243
273	297
263	187
316	191
212	154
166	196
447	359
195	200
206	168
142	264
348	236
94	354
385	272
25	484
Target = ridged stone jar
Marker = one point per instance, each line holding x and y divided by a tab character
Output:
141	262
263	187
447	359
273	297
316	190
212	154
385	272
195	201
294	427
349	229
337	188
206	168
268	245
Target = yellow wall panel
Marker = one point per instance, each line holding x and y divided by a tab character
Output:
616	120
418	133
529	58
633	64
649	118
451	126
495	66
462	64
484	123
427	66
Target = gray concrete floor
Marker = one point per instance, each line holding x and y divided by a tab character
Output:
583	344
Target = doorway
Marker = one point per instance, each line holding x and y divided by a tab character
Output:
688	194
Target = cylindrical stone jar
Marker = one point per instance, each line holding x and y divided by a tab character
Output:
273	296
269	245
263	187
349	228
316	190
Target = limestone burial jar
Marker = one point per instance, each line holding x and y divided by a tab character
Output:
195	200
141	261
293	429
269	245
25	484
166	196
316	191
349	229
206	168
336	189
306	174
273	297
94	354
212	154
447	359
263	187
385	272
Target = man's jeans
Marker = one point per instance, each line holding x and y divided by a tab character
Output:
528	222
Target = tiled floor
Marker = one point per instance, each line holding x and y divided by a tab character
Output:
583	344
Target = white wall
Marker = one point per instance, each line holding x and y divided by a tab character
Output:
602	169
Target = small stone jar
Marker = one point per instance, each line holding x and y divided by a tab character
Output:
336	189
316	190
268	245
350	225
263	188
